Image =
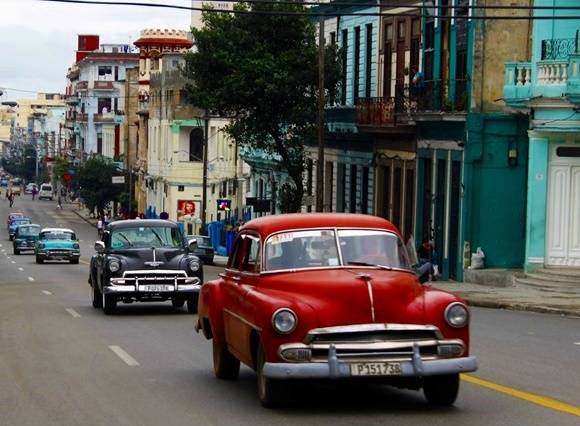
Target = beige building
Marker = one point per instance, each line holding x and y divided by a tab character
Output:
7	119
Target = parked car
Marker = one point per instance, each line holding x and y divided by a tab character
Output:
4	183
17	221
145	261
332	296
45	192
57	244
25	238
30	187
204	250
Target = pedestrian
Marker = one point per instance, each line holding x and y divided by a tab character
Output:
11	198
34	193
59	202
100	228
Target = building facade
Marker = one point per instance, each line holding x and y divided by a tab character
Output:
546	86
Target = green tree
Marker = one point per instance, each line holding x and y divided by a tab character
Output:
262	72
95	182
60	168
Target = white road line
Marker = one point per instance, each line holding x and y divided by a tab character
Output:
31	279
9	257
48	293
129	360
577	343
21	269
12	261
74	313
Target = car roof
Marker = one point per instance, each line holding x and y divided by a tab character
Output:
268	225
139	223
29	224
57	230
17	218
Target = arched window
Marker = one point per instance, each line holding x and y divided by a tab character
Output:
196	145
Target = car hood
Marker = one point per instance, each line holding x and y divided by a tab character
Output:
57	244
27	237
351	296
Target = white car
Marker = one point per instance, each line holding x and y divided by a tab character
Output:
45	191
30	187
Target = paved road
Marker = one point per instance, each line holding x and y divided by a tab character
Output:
64	363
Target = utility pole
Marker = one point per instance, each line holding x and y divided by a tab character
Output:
321	101
204	182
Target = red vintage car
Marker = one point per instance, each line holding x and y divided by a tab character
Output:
332	296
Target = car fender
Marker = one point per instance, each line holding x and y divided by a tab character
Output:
210	309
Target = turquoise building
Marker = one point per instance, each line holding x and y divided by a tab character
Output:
547	89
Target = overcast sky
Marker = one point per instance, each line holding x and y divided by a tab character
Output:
38	39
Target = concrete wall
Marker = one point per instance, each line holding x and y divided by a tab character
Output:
495	43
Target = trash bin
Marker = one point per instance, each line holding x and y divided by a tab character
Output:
230	237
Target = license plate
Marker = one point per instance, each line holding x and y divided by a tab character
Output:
156	287
376	369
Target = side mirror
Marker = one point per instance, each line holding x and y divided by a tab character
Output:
192	244
99	247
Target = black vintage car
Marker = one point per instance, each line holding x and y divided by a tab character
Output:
145	261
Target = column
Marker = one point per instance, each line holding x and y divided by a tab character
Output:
537	193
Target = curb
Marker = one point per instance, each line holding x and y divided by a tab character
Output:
83	218
494	304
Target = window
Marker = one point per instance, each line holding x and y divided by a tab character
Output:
369	58
401	29
332	38
387	71
105	70
301	249
251	260
344	65
356	78
196	144
340	187
104	105
365	190
353	185
180	188
116	73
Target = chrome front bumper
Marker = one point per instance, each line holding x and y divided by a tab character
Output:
180	284
335	369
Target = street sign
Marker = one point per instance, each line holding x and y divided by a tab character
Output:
118	179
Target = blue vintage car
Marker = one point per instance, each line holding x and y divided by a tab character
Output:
57	244
25	238
15	223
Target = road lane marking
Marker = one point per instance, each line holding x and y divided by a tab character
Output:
21	268
577	343
12	261
48	293
526	396
84	262
129	360
30	279
73	313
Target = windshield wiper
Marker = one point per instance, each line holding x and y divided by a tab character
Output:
125	238
386	268
158	237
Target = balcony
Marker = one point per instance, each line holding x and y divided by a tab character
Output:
103	85
82	86
376	112
437	96
82	118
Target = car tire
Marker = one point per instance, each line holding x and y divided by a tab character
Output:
441	390
97	297
192	304
270	392
16	252
109	302
225	365
74	261
39	260
177	302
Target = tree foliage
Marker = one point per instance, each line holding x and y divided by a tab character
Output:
95	181
24	166
60	168
262	72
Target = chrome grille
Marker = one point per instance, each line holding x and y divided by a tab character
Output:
168	277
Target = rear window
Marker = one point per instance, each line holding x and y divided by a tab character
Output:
46	188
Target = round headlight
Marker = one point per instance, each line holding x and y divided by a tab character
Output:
194	265
76	246
284	321
456	315
114	265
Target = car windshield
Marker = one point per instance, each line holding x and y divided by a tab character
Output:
318	248
368	247
19	221
28	230
57	235
146	237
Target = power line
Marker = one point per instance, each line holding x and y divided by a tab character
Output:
323	14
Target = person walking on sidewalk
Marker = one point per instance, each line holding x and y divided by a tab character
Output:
11	198
100	225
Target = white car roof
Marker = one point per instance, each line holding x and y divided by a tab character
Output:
57	230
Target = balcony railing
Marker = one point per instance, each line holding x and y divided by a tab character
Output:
103	85
82	118
559	48
82	85
376	111
432	96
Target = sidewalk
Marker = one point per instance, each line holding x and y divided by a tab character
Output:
81	212
518	298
